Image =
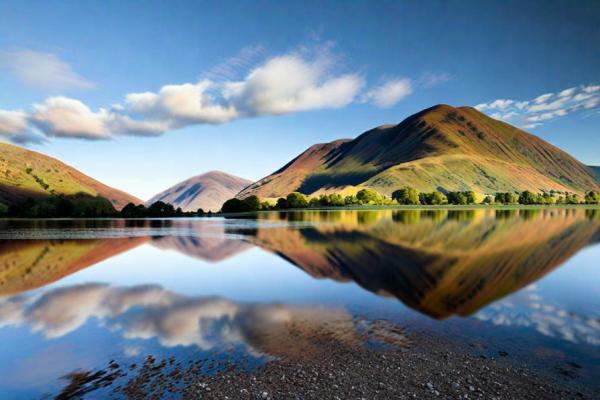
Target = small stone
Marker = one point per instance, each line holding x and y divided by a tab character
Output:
471	388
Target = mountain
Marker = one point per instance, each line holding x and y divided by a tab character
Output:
28	174
595	170
207	191
441	148
440	263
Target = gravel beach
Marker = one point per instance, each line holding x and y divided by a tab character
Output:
416	366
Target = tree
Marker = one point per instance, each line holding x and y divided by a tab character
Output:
438	198
406	195
471	197
488	200
506	198
3	209
133	211
200	211
282	203
368	196
86	206
457	198
296	200
161	209
592	197
350	200
528	198
433	198
571	198
234	205
335	200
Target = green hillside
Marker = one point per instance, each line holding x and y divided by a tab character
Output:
28	174
440	148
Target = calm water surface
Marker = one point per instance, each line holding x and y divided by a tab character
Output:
75	294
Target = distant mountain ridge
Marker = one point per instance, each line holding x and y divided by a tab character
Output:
441	148
29	174
207	191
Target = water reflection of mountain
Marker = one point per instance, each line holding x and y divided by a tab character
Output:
206	241
29	264
440	263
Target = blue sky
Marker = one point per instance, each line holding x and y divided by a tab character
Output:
141	95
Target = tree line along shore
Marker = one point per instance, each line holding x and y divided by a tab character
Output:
408	196
86	206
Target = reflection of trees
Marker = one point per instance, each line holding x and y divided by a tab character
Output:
438	262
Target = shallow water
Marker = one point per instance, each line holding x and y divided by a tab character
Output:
517	284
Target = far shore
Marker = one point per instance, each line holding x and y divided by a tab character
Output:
422	207
346	208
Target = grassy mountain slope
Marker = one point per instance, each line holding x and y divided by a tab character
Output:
25	173
440	148
207	191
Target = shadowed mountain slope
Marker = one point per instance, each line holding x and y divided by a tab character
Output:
440	148
207	191
28	174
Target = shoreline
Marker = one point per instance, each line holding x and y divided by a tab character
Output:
418	208
400	207
424	366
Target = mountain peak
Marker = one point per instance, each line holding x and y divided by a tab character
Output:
440	148
207	191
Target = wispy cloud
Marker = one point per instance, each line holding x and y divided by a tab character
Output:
545	107
298	81
389	93
42	70
431	79
235	66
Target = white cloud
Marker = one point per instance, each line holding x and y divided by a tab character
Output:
591	88
42	70
504	116
548	106
289	83
14	126
567	92
12	122
542	98
389	93
182	104
65	117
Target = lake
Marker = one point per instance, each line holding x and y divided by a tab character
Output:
517	284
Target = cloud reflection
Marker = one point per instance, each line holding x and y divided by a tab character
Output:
151	312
